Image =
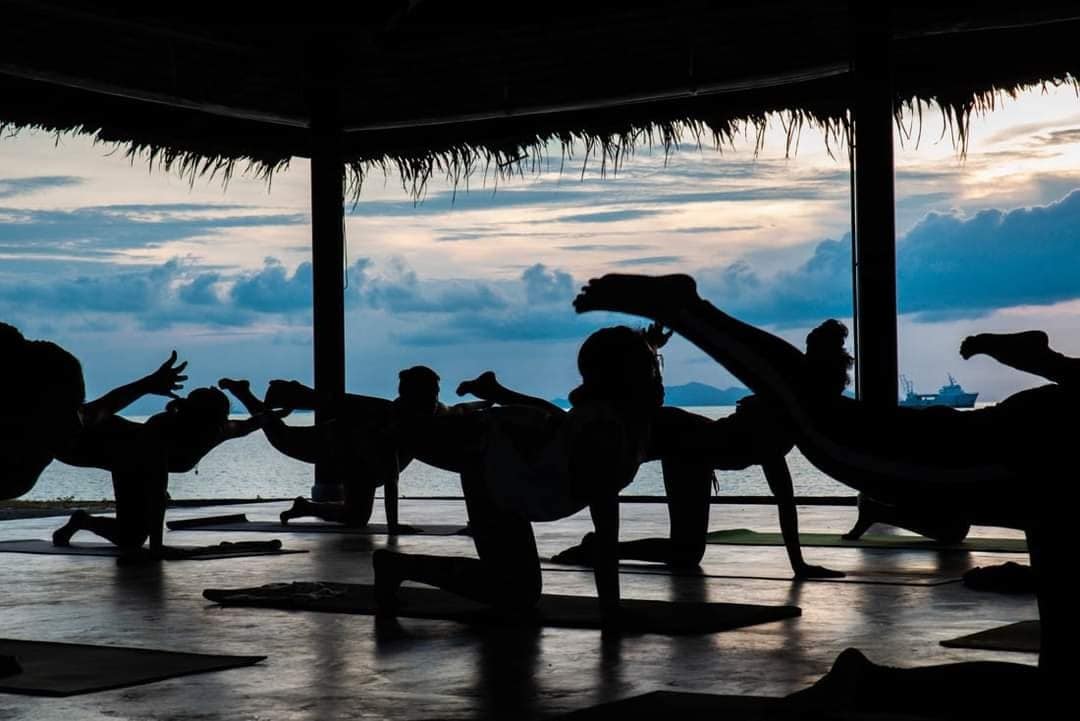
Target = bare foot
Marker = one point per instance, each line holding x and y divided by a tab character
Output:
1005	345
810	571
483	386
656	297
62	536
299	509
579	555
862	525
234	386
286	394
838	689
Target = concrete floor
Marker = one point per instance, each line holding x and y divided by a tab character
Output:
328	666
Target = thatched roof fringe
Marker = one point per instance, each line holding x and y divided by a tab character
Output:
457	163
957	109
607	140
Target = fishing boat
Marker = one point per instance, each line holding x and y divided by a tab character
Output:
950	395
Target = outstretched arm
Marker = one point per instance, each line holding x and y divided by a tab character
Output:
487	387
239	429
779	479
165	381
605	517
390	501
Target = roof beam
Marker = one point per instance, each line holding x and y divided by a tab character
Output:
682	93
104	88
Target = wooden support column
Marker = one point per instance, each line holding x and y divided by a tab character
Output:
328	268
874	241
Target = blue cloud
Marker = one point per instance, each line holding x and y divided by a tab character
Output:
273	289
523	324
115	292
948	267
104	231
607	216
604	247
153	296
651	260
544	285
711	229
200	291
10	187
994	259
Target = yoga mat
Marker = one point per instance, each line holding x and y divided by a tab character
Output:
66	669
686	707
1022	637
195	553
871	579
683	706
745	537
670	618
240	524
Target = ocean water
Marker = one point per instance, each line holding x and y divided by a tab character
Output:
249	468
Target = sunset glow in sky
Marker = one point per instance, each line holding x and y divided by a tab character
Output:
121	265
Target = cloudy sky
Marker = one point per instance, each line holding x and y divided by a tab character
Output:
121	265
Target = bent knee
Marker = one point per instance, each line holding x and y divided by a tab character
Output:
132	539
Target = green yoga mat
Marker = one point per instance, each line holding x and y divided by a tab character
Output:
66	669
1022	637
662	617
746	537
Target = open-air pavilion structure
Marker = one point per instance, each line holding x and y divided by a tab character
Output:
449	88
427	88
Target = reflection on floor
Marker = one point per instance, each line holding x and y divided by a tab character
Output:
324	666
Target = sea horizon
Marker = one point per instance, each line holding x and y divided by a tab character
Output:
249	467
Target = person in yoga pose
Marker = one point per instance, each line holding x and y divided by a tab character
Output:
140	457
939	526
357	440
43	394
999	465
690	448
45	410
522	463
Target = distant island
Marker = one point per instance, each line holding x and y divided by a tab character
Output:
691	394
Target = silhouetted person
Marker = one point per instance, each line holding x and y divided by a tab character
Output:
44	411
42	391
690	447
520	464
358	440
140	457
942	527
999	465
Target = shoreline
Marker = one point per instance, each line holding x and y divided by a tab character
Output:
16	509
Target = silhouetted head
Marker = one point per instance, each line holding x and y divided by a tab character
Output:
418	390
203	410
619	365
827	358
42	392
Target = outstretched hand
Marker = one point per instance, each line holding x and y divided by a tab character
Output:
167	379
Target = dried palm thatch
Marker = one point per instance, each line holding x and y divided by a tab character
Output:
455	90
